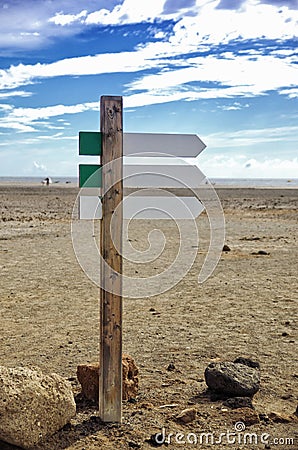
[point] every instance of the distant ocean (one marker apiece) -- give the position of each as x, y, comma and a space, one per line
228, 182
38, 180
255, 182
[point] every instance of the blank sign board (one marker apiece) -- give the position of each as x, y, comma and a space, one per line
162, 176
137, 207
145, 207
145, 175
183, 145
90, 207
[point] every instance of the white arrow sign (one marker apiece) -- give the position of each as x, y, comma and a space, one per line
162, 176
183, 145
145, 207
151, 200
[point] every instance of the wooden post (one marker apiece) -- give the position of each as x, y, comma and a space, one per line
110, 380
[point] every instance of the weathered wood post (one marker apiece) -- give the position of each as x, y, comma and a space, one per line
110, 380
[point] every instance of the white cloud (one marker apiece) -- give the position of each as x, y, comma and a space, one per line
246, 167
201, 19
5, 107
16, 125
244, 138
39, 167
247, 76
274, 164
28, 25
236, 106
130, 11
27, 119
9, 94
153, 98
243, 75
67, 19
205, 24
32, 114
252, 21
291, 93
160, 35
22, 74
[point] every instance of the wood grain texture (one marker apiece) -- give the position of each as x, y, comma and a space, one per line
110, 383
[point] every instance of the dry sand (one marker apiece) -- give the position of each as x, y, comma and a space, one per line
49, 318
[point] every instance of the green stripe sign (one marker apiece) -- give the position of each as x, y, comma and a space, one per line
182, 145
90, 143
90, 176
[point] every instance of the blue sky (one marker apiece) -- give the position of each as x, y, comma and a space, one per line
223, 69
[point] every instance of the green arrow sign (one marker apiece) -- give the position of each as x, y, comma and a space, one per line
89, 143
90, 175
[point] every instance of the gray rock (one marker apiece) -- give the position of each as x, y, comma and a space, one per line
32, 405
232, 379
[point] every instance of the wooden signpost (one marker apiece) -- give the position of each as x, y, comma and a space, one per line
104, 187
110, 383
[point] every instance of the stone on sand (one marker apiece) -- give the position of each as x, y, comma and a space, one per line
33, 405
226, 248
230, 379
187, 415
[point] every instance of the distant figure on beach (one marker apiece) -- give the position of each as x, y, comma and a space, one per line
47, 181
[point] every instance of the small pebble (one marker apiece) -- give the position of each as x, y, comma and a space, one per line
171, 367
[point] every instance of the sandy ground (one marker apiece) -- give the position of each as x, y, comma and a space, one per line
50, 318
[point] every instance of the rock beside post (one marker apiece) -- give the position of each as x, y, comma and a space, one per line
233, 379
33, 405
88, 376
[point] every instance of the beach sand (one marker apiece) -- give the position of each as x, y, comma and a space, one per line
248, 307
